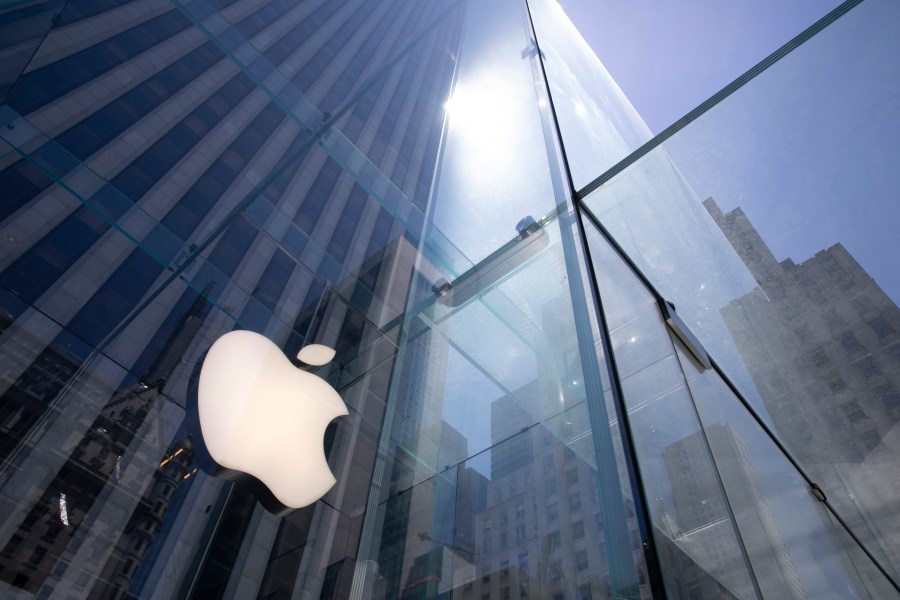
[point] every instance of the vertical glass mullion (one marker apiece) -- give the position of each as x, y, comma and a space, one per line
623, 575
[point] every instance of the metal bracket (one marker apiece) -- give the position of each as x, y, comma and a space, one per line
817, 492
530, 240
681, 331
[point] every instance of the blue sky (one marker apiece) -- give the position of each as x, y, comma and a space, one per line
668, 56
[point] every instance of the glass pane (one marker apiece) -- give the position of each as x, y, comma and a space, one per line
599, 126
697, 541
473, 378
796, 547
668, 58
770, 222
520, 520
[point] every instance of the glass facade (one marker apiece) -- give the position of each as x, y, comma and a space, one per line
580, 361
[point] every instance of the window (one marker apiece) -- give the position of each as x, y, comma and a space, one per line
556, 571
581, 561
853, 411
832, 318
846, 283
520, 533
578, 530
584, 592
835, 383
572, 476
575, 501
548, 464
504, 593
863, 305
868, 367
504, 569
37, 555
829, 264
552, 511
870, 439
850, 344
513, 487
881, 327
520, 510
130, 566
550, 486
888, 396
819, 358
523, 561
555, 540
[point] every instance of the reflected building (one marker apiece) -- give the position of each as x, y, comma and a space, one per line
838, 402
161, 196
541, 531
847, 334
698, 512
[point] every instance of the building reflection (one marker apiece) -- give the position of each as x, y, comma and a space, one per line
821, 340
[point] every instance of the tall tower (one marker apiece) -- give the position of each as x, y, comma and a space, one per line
170, 172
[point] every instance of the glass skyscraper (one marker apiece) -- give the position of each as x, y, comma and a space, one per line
580, 361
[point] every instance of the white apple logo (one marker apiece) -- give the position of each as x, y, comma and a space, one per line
261, 415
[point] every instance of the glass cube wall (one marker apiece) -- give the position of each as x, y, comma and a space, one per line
580, 361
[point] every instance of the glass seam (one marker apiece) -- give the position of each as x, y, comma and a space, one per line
638, 491
714, 463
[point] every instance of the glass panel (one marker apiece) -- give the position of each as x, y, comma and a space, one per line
494, 171
599, 126
488, 359
522, 519
473, 377
693, 525
796, 548
22, 28
86, 484
770, 223
668, 58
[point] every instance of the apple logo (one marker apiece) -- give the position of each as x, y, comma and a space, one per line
261, 420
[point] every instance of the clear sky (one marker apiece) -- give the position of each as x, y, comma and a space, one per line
668, 56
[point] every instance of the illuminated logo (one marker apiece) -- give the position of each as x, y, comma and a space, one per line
262, 419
